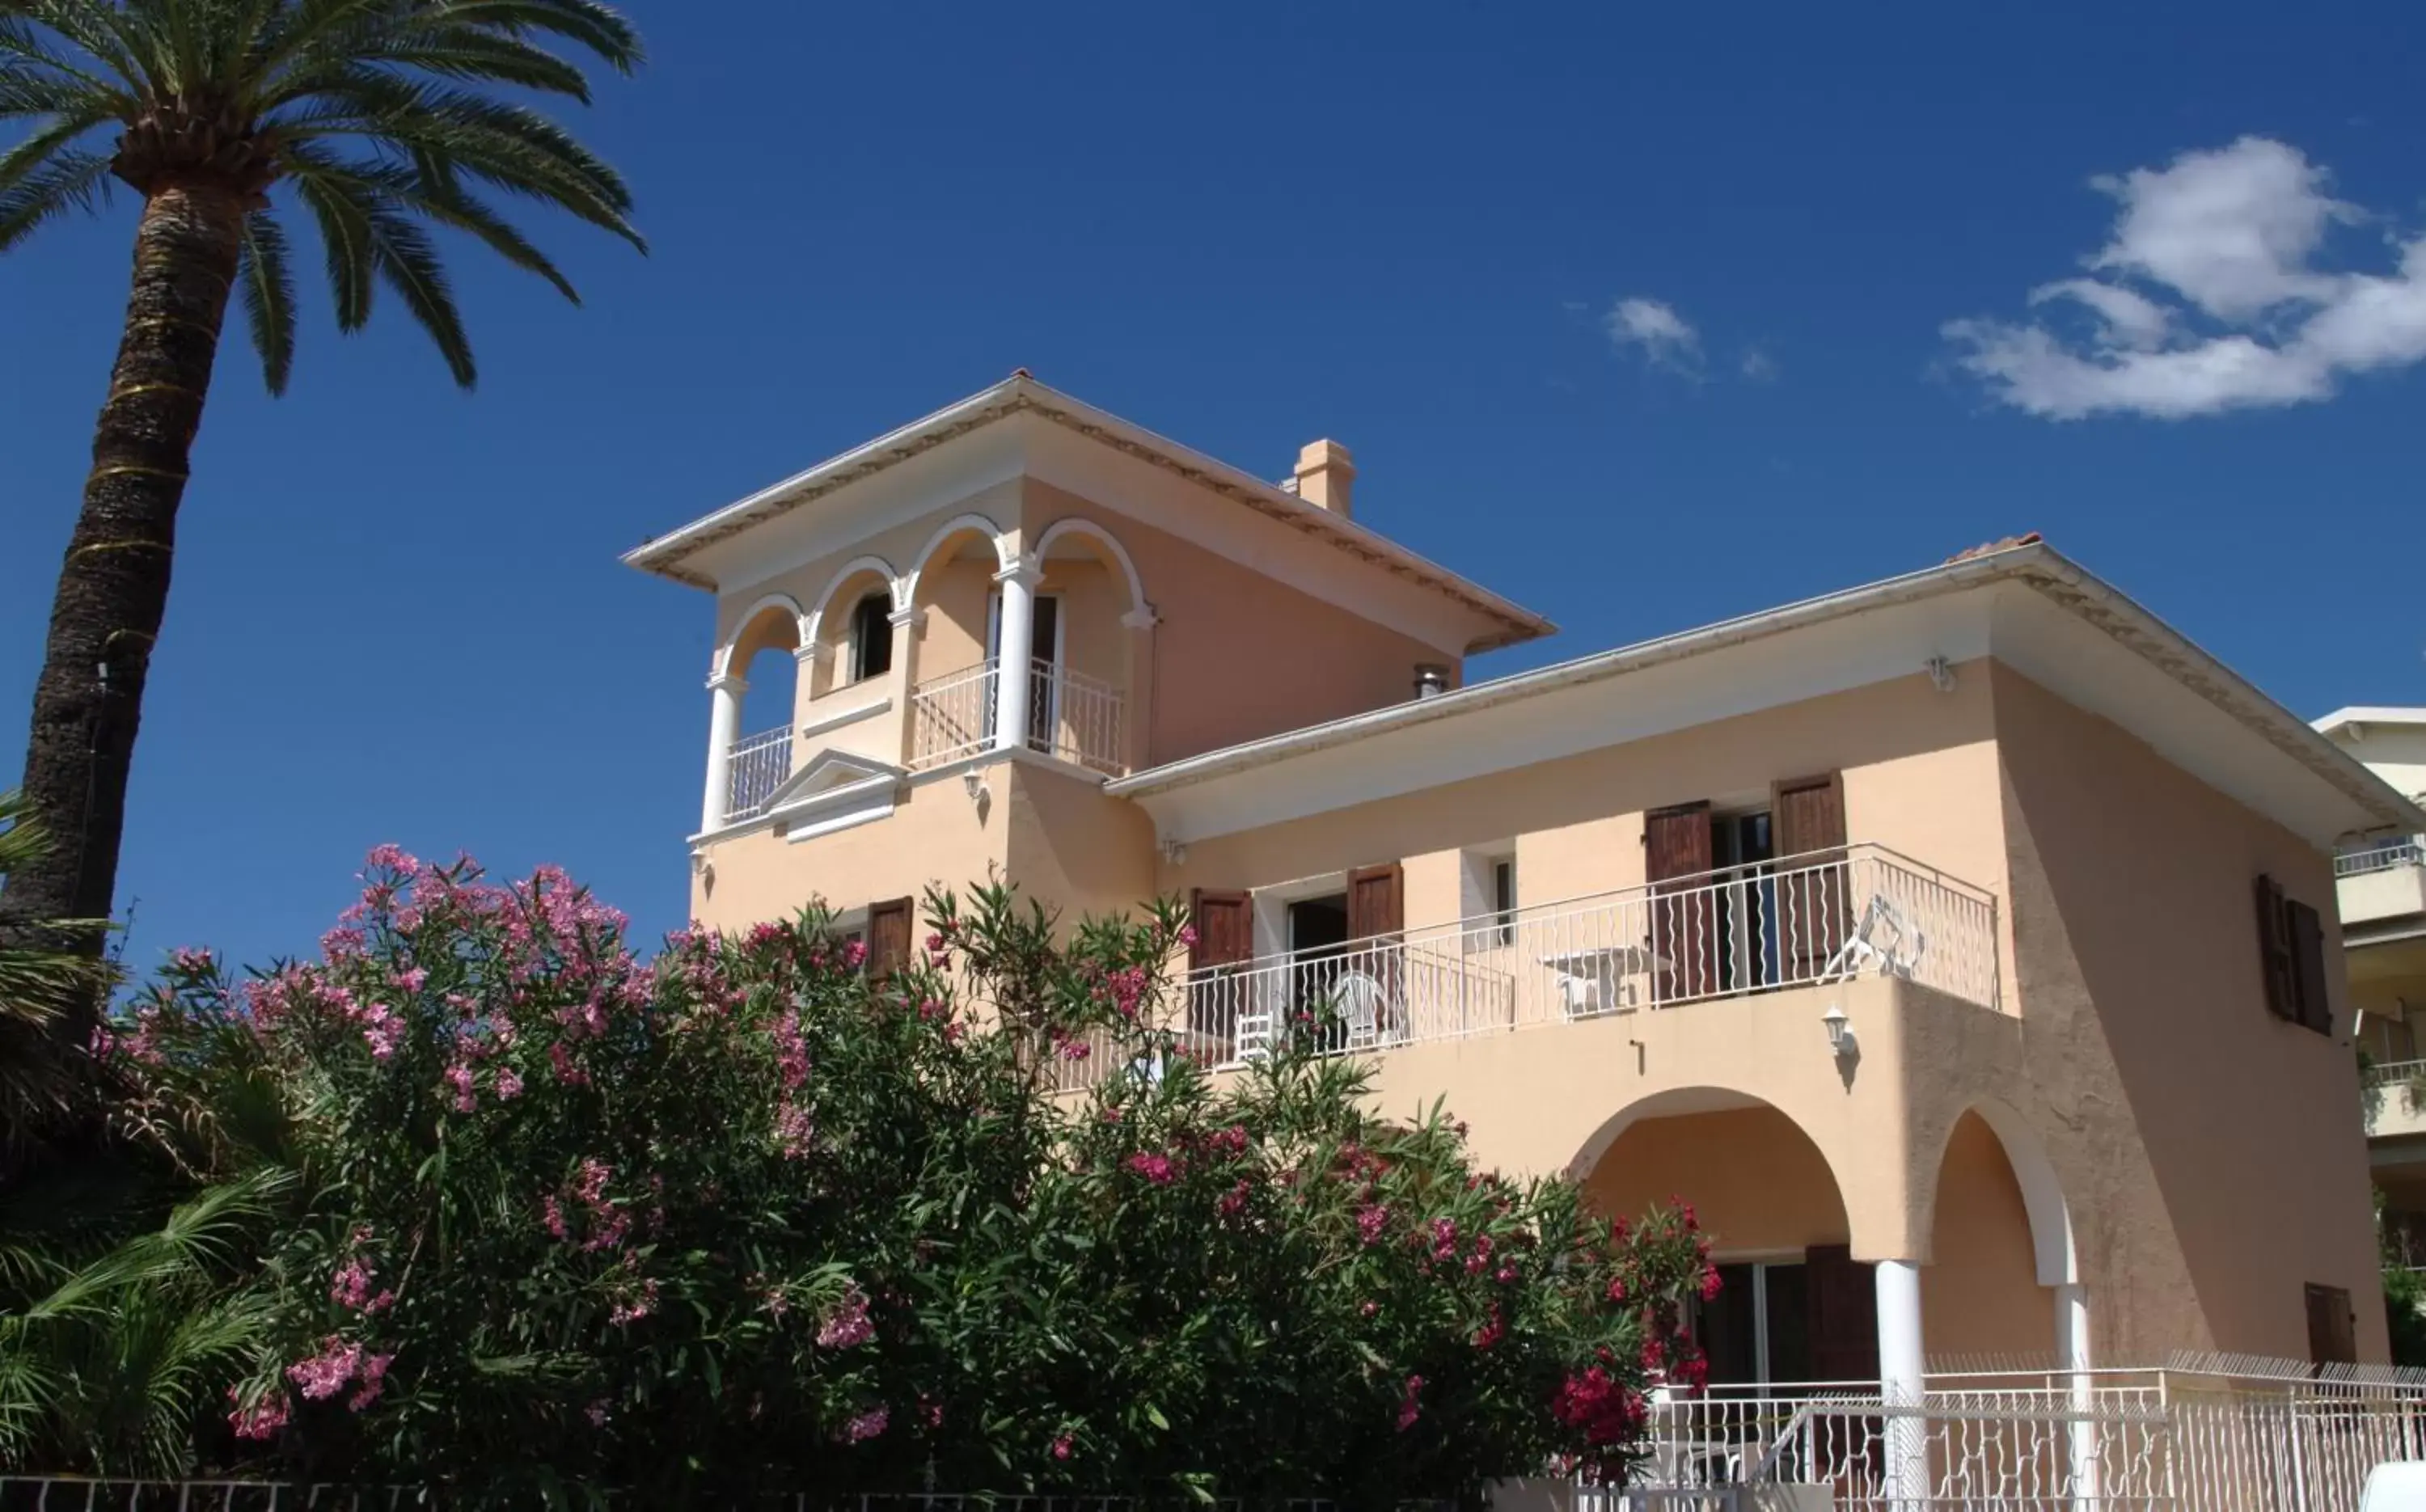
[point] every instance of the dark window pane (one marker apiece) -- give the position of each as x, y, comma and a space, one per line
1789, 1332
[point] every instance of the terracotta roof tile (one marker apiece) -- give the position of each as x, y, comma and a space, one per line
1988, 548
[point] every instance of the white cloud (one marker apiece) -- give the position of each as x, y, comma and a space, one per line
1666, 338
2209, 298
1759, 366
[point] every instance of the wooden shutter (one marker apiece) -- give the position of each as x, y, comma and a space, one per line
2332, 1338
1683, 942
2307, 940
1225, 927
1225, 936
888, 935
1843, 1298
2275, 950
1815, 904
1377, 901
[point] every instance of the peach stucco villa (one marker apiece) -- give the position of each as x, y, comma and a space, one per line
1963, 945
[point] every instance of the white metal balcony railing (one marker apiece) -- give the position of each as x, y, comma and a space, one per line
758, 765
952, 716
2396, 1072
2381, 857
1075, 718
1802, 921
1070, 716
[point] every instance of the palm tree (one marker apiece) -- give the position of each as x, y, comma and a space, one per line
372, 114
43, 1080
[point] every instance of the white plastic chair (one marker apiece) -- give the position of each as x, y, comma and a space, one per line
1358, 999
1895, 956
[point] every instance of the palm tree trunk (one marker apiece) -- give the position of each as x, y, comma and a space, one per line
114, 583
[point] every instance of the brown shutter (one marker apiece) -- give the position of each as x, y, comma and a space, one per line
1377, 901
1815, 904
888, 935
2332, 1338
1684, 929
1843, 1298
1225, 927
1225, 936
2307, 932
2275, 951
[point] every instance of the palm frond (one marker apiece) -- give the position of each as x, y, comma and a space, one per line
430, 190
70, 182
268, 293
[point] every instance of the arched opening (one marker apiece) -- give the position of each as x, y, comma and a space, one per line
1982, 1302
1793, 1305
764, 656
854, 629
1089, 595
954, 699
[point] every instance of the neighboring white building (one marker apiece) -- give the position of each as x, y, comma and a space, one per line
2381, 888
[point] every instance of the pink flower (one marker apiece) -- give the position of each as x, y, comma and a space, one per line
935, 944
1408, 1410
459, 1076
1491, 1332
1234, 1201
391, 858
1709, 1283
1188, 936
855, 956
596, 1413
1371, 1219
260, 1420
1156, 1169
633, 1308
1062, 1447
794, 1130
508, 1084
1369, 1309
1075, 1050
374, 1373
326, 1374
351, 1286
567, 1072
553, 1215
867, 1424
412, 979
847, 1326
192, 960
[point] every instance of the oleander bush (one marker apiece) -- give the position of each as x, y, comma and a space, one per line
480, 1198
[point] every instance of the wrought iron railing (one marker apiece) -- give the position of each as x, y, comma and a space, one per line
2383, 856
1076, 718
1802, 921
952, 716
759, 764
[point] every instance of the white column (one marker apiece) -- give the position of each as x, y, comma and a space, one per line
723, 729
1014, 682
1900, 1383
2072, 1354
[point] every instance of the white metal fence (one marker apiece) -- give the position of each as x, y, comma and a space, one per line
1070, 714
2155, 1439
1076, 718
1804, 920
952, 716
759, 764
2381, 857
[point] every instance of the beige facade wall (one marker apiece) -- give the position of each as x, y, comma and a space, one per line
935, 833
1239, 655
2205, 1191
1980, 1294
1071, 848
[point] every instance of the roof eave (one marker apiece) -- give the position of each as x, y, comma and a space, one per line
2039, 564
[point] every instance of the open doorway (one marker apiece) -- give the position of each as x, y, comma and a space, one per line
1317, 935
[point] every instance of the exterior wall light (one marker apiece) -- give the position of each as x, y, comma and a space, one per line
1841, 1039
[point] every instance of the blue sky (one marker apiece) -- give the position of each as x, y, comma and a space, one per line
1638, 314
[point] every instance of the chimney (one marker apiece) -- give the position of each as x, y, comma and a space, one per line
1324, 474
1432, 680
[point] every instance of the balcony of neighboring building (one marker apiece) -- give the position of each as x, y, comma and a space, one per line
2382, 881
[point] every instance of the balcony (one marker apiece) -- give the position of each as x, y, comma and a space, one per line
1804, 920
2386, 880
756, 766
1072, 716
